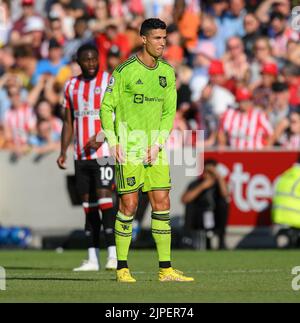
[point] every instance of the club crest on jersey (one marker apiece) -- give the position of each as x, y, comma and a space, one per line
98, 90
163, 81
131, 181
112, 81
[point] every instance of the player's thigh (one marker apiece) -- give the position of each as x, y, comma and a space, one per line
83, 179
160, 200
129, 177
128, 203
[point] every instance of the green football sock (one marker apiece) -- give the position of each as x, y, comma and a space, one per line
123, 233
161, 231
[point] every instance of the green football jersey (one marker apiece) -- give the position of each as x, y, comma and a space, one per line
143, 101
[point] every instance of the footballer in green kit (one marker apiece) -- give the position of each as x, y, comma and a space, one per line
137, 115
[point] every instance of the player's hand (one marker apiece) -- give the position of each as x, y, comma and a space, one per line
61, 161
118, 153
94, 143
151, 155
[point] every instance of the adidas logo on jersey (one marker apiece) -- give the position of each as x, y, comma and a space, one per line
139, 82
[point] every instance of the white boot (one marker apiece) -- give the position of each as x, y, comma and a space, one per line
88, 266
112, 264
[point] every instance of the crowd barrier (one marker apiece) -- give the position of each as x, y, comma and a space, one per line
36, 194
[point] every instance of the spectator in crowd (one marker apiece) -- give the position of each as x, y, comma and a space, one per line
293, 52
56, 31
210, 36
44, 111
46, 140
215, 97
206, 201
245, 128
132, 33
82, 35
232, 24
252, 33
262, 55
279, 107
287, 133
5, 22
7, 60
34, 35
262, 94
106, 40
26, 62
280, 33
8, 81
18, 29
188, 23
101, 19
292, 76
266, 7
73, 8
66, 15
235, 60
19, 123
217, 9
53, 64
174, 52
203, 57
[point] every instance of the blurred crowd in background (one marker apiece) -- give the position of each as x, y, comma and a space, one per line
237, 64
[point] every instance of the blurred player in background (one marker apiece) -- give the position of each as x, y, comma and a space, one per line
94, 173
142, 95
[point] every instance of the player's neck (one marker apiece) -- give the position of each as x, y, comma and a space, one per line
147, 59
88, 77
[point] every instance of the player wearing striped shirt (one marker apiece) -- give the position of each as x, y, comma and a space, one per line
93, 169
245, 128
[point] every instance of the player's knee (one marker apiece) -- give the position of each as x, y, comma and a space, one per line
128, 207
162, 205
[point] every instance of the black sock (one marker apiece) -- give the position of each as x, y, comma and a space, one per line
122, 264
92, 229
108, 221
165, 264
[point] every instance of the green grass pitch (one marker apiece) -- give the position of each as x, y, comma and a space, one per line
232, 276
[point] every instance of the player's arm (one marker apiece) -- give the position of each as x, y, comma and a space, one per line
113, 95
67, 133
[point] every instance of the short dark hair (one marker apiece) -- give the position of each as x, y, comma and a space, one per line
280, 87
87, 47
152, 23
277, 15
210, 162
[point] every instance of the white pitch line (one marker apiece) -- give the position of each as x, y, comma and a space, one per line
238, 271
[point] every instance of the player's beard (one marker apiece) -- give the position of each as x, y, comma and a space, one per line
89, 76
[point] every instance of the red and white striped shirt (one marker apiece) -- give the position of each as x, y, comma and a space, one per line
84, 97
290, 142
246, 130
20, 122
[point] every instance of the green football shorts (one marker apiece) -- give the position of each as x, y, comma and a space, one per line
130, 177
